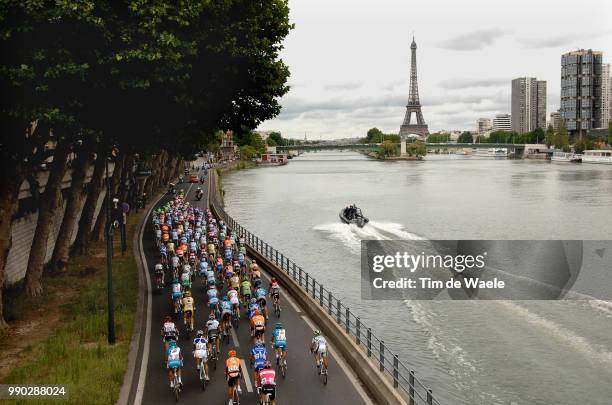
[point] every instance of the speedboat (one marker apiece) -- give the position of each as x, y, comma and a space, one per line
353, 215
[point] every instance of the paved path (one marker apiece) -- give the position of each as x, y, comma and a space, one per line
301, 386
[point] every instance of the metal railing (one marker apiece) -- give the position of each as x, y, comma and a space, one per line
403, 378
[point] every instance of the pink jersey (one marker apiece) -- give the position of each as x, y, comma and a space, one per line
267, 376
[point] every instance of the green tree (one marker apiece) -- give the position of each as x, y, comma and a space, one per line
465, 137
387, 148
610, 133
549, 136
582, 144
417, 148
438, 137
374, 135
562, 138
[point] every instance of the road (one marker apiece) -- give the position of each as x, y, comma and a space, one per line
302, 385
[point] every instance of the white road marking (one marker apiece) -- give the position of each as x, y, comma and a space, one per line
245, 376
235, 338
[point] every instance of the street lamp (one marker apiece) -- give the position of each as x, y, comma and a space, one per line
110, 226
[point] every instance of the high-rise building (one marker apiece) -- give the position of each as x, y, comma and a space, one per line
581, 87
528, 104
502, 122
606, 95
555, 120
483, 125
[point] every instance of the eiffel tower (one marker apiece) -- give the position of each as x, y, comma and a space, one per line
414, 105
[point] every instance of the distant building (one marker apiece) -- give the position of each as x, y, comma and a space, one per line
606, 95
483, 125
581, 85
528, 104
228, 149
555, 120
502, 122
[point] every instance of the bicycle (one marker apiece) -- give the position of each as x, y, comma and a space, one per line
213, 353
176, 389
322, 370
235, 397
187, 321
277, 309
202, 376
282, 364
235, 317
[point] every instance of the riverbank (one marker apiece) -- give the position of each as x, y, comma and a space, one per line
61, 336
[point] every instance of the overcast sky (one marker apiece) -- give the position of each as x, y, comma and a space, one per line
350, 59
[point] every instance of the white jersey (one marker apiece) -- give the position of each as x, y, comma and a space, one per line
169, 328
212, 324
175, 261
320, 344
232, 294
176, 288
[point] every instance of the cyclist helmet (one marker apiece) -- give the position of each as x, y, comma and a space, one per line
211, 316
187, 293
259, 343
172, 343
253, 301
231, 353
257, 312
317, 332
279, 326
199, 333
167, 318
267, 364
254, 261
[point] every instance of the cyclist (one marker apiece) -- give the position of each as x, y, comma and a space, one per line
232, 295
203, 267
159, 274
279, 340
258, 326
212, 328
175, 360
275, 291
266, 379
226, 315
188, 309
253, 306
253, 266
245, 290
318, 347
169, 333
213, 299
233, 372
200, 352
258, 358
260, 295
177, 295
235, 282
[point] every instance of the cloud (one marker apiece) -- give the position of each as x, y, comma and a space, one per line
560, 40
343, 86
463, 83
474, 40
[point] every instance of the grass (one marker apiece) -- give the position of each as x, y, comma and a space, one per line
76, 352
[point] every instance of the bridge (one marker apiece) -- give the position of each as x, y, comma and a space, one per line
516, 147
363, 370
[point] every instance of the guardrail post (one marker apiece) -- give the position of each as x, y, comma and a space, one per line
314, 289
358, 330
429, 397
276, 262
411, 387
339, 303
369, 337
348, 320
395, 371
307, 282
321, 294
382, 355
329, 303
300, 278
287, 265
294, 275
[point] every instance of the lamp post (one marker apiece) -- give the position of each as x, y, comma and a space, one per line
110, 225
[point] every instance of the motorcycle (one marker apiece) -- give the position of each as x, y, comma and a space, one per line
199, 195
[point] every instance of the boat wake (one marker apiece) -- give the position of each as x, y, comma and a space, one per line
350, 235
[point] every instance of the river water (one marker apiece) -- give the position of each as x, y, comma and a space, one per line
468, 352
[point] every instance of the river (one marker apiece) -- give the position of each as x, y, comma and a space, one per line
468, 352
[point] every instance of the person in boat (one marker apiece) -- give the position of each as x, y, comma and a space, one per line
349, 212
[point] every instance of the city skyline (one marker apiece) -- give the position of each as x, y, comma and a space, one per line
350, 66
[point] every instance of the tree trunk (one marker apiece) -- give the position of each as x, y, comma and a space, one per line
51, 201
74, 199
81, 245
9, 194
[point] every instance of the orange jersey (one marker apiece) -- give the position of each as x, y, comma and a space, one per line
258, 321
232, 366
227, 243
